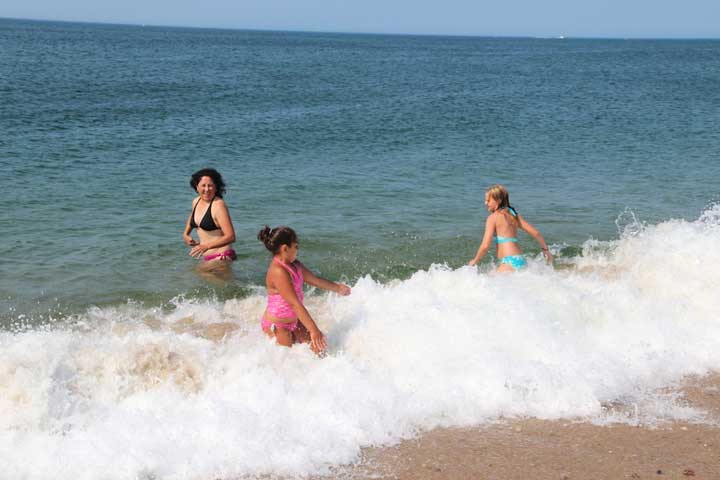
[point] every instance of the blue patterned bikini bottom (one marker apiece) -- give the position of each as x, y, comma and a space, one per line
515, 261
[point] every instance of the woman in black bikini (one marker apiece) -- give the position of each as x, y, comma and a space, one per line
211, 218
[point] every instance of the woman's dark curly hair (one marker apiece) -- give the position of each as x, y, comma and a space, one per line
274, 238
212, 173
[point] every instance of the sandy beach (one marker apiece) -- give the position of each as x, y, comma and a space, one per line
554, 450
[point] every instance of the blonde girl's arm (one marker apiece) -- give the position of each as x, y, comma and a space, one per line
319, 282
282, 282
189, 241
533, 232
486, 241
222, 220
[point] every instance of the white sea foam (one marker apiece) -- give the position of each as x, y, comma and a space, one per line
199, 392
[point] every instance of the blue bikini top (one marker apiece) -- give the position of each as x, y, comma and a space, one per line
499, 239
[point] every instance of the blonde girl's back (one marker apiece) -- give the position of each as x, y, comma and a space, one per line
506, 225
505, 216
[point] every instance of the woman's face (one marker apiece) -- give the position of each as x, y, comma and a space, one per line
206, 188
490, 203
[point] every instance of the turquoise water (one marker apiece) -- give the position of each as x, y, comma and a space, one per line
376, 149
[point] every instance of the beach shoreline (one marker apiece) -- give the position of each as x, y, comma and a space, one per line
558, 449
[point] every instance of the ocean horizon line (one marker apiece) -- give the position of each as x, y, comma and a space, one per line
538, 36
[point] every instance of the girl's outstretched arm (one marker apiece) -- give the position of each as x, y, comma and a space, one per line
283, 283
533, 232
319, 282
486, 241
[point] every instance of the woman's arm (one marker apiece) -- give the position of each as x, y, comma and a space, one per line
320, 282
282, 282
189, 241
486, 241
533, 232
222, 220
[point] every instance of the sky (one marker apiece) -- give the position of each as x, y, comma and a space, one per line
576, 18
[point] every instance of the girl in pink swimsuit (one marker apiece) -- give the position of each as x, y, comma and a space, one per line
285, 317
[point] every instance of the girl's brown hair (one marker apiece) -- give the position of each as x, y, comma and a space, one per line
274, 238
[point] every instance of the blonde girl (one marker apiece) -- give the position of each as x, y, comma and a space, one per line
501, 228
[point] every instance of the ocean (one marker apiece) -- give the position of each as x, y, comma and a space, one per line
377, 149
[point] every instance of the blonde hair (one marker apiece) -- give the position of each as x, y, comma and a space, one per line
501, 195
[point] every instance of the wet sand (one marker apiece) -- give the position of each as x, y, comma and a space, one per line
556, 450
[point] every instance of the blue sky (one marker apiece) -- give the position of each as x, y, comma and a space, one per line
611, 18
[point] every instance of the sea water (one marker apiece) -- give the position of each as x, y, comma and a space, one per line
118, 361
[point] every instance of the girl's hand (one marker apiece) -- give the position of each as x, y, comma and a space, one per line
317, 342
343, 289
189, 241
198, 250
548, 256
472, 262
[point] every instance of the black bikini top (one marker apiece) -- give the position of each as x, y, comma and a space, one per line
207, 223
